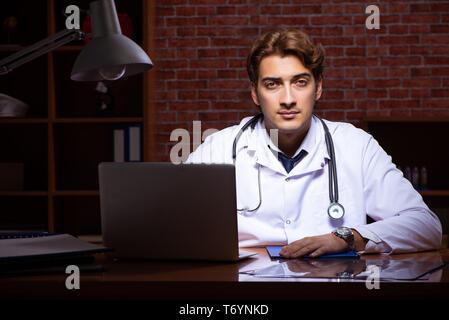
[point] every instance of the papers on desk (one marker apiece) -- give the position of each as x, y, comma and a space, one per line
357, 269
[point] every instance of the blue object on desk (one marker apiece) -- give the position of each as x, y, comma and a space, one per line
273, 251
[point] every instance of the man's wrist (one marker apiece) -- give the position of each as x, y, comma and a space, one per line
359, 241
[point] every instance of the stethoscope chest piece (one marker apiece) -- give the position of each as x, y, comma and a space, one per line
336, 210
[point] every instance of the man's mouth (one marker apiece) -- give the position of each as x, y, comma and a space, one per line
288, 114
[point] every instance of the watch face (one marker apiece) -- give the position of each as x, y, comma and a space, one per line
344, 231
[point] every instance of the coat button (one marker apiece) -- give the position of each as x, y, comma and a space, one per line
322, 164
288, 222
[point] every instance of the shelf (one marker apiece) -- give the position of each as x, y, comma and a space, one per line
434, 193
23, 193
76, 48
99, 120
10, 48
76, 193
24, 120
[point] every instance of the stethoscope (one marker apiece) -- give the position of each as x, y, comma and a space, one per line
335, 209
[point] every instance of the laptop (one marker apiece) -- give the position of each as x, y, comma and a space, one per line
155, 210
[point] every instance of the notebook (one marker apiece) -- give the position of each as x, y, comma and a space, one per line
38, 253
14, 247
165, 211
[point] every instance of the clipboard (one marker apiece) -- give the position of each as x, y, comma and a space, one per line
273, 251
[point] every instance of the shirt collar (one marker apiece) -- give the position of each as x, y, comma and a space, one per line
313, 143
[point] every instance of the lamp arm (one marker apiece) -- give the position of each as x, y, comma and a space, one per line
39, 48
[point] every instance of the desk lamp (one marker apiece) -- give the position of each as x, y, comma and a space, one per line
109, 56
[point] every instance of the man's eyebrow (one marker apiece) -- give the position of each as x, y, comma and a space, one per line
296, 76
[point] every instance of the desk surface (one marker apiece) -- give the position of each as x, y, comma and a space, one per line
181, 280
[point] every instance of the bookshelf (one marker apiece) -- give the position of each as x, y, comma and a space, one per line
418, 141
64, 135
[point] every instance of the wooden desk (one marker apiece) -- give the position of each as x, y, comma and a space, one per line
211, 281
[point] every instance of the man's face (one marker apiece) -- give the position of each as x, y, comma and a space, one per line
286, 92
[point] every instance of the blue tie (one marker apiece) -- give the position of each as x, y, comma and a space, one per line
289, 163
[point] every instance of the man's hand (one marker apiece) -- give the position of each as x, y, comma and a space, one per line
314, 246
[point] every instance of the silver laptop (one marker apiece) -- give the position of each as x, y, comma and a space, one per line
166, 211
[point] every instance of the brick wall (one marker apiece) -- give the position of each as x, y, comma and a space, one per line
401, 69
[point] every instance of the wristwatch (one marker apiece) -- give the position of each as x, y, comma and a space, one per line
346, 234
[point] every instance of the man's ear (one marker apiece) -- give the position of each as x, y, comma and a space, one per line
254, 94
318, 89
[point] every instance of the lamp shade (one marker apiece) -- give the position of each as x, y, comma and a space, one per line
110, 55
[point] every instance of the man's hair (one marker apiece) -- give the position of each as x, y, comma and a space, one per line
283, 43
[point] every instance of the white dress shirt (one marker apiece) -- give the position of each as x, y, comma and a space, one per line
294, 205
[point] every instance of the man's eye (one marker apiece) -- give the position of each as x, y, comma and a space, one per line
301, 83
270, 84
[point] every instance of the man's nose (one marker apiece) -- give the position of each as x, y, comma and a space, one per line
287, 99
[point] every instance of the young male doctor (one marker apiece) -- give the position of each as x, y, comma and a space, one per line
284, 191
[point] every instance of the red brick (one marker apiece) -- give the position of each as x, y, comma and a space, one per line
207, 53
332, 94
187, 53
302, 9
188, 43
400, 113
207, 64
187, 95
377, 83
440, 93
355, 94
270, 9
440, 72
400, 61
436, 60
420, 83
399, 40
197, 21
421, 72
377, 93
421, 18
366, 104
355, 51
399, 93
226, 10
443, 50
355, 72
435, 103
185, 11
228, 21
207, 95
395, 104
226, 84
420, 93
377, 72
325, 20
435, 39
399, 50
194, 84
195, 105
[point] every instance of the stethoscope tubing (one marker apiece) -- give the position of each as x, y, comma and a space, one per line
333, 180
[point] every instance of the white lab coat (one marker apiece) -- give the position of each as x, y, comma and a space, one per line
294, 205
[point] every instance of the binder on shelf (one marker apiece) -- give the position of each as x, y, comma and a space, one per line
119, 145
128, 143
